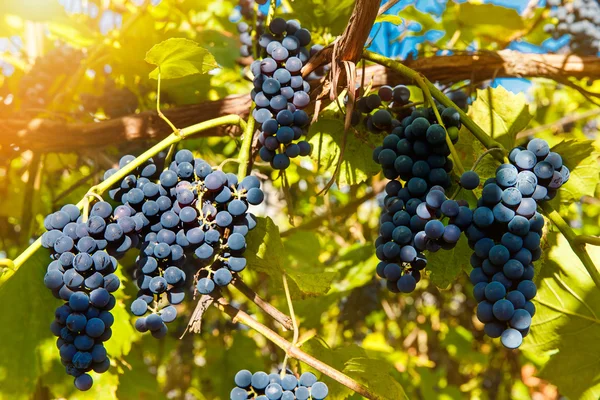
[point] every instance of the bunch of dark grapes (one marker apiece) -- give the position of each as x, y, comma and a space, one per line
263, 386
505, 236
415, 150
36, 88
280, 93
580, 20
251, 26
192, 211
115, 101
82, 274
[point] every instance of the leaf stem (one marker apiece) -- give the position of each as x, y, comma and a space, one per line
288, 297
576, 244
245, 157
294, 352
160, 114
268, 308
587, 239
129, 168
421, 81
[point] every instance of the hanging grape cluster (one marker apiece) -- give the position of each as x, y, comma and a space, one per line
82, 273
251, 26
280, 93
38, 86
414, 150
193, 212
190, 211
505, 237
580, 19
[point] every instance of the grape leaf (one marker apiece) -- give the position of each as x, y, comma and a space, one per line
137, 381
566, 326
264, 250
353, 361
582, 160
445, 266
482, 22
501, 114
265, 253
392, 19
24, 326
327, 139
179, 57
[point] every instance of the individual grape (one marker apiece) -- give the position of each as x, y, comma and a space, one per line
525, 160
511, 338
469, 180
503, 310
539, 147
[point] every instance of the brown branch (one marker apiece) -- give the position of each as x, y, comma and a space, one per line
277, 315
58, 136
348, 46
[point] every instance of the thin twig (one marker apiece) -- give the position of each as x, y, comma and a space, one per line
267, 307
387, 6
288, 297
558, 123
587, 239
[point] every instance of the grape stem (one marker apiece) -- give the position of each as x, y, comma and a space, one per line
409, 73
267, 307
427, 94
128, 169
161, 115
288, 297
586, 239
293, 351
245, 156
577, 244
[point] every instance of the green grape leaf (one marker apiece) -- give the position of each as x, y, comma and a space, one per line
179, 57
501, 114
566, 326
264, 249
356, 266
137, 381
327, 138
265, 253
582, 160
483, 22
24, 327
445, 266
240, 353
353, 361
426, 20
370, 372
392, 19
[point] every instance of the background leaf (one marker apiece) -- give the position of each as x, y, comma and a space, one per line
179, 57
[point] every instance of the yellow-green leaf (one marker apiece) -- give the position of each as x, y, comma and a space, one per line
566, 326
179, 57
502, 114
327, 139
